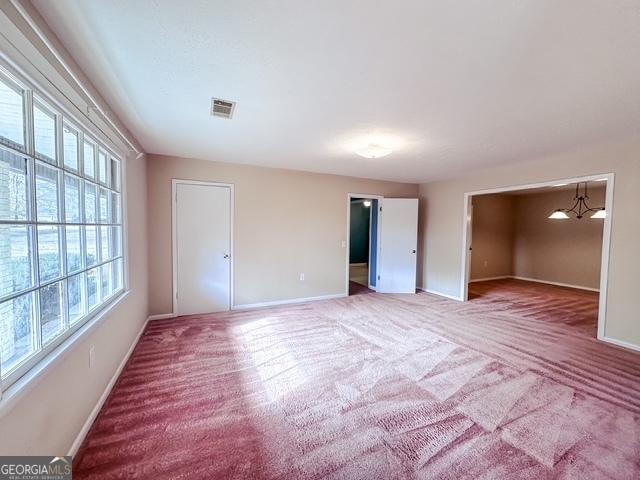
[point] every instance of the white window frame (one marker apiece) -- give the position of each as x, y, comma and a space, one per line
43, 356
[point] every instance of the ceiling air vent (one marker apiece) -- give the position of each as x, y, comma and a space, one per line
222, 108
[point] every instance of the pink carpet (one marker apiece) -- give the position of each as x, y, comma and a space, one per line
512, 384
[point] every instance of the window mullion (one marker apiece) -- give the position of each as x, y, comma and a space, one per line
28, 121
80, 153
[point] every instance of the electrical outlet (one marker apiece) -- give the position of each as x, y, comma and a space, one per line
92, 355
344, 244
302, 277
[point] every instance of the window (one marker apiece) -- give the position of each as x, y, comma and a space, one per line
89, 159
11, 113
70, 150
61, 256
44, 132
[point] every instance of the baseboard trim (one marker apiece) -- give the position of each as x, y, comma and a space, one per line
247, 306
103, 398
486, 279
557, 284
620, 343
440, 294
161, 316
536, 280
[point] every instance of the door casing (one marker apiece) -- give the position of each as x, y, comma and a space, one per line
174, 246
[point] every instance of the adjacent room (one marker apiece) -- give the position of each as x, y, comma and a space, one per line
543, 245
363, 244
319, 240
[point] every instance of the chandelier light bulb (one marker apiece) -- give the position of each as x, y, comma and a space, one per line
559, 215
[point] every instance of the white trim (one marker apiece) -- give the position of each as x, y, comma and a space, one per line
620, 343
536, 280
348, 238
161, 316
98, 406
440, 294
45, 40
31, 377
174, 255
606, 237
49, 101
288, 302
486, 279
79, 120
557, 284
606, 250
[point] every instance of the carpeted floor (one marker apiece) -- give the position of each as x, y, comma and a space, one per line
512, 384
358, 289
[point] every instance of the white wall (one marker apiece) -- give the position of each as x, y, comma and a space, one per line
442, 222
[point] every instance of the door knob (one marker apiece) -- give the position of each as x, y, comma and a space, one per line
226, 255
413, 251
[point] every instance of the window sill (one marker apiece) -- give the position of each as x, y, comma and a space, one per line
21, 387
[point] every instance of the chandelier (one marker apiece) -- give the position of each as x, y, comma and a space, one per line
580, 207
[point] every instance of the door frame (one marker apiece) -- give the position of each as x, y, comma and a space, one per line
606, 236
174, 236
348, 241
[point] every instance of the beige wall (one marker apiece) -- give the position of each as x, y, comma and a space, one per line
46, 416
286, 222
442, 222
564, 251
512, 236
492, 236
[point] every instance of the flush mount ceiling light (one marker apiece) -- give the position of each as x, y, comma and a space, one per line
367, 203
580, 207
373, 150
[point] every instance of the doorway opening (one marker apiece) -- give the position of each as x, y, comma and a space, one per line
362, 245
542, 251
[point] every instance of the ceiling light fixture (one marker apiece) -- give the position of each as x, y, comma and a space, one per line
580, 207
373, 150
559, 215
367, 203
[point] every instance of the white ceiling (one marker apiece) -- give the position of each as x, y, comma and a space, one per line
450, 85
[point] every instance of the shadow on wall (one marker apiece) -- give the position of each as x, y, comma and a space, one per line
359, 231
513, 236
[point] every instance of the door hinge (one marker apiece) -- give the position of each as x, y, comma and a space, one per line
378, 277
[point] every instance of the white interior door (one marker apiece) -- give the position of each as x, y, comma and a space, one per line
203, 248
398, 245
